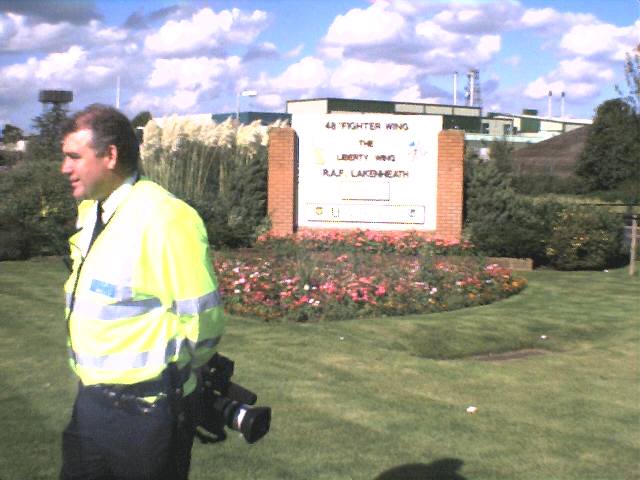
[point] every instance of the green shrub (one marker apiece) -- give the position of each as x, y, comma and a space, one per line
627, 192
234, 212
37, 211
540, 184
9, 157
502, 223
586, 238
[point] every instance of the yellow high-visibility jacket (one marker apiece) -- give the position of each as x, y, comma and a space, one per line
145, 294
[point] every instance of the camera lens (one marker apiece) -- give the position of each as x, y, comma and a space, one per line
252, 422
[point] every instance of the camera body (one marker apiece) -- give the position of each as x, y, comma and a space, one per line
227, 404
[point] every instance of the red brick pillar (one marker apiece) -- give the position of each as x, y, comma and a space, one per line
450, 182
281, 180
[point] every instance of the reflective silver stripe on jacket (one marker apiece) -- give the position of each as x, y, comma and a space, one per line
132, 308
115, 311
111, 290
195, 306
123, 361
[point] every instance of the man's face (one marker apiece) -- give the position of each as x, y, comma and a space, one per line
90, 175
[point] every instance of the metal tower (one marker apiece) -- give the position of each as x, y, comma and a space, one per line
472, 92
54, 97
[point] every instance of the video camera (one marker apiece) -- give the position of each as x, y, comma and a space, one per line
227, 404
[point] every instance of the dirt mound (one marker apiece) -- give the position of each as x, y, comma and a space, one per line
556, 156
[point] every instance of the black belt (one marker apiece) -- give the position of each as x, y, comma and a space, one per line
148, 388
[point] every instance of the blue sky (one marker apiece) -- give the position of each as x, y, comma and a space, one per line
194, 57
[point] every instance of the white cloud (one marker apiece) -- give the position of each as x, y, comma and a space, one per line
143, 101
205, 30
107, 34
580, 69
197, 73
540, 88
17, 35
536, 17
308, 73
262, 51
359, 74
445, 51
374, 25
435, 34
513, 60
552, 21
70, 67
184, 100
8, 28
180, 101
486, 47
294, 52
331, 53
475, 19
271, 101
413, 94
603, 40
61, 66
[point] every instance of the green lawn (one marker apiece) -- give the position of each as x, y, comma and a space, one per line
381, 398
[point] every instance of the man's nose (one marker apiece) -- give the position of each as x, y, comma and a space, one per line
65, 166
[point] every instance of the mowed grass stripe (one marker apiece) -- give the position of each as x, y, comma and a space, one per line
359, 398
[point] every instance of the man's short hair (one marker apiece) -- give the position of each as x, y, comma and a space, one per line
109, 126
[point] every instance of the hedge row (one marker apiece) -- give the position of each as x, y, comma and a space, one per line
37, 213
501, 222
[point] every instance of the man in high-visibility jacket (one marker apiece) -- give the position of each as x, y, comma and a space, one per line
143, 309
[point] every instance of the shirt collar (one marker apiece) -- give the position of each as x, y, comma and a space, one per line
117, 196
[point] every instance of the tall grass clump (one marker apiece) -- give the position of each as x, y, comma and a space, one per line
219, 168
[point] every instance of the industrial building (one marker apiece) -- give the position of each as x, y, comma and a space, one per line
528, 127
454, 116
266, 118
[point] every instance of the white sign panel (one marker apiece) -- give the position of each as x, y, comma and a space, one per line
369, 171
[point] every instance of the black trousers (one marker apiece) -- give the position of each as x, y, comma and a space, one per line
111, 439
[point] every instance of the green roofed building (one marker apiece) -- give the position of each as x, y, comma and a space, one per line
460, 117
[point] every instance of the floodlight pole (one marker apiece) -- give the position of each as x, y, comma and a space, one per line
244, 93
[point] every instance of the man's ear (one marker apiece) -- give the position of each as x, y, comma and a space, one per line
112, 157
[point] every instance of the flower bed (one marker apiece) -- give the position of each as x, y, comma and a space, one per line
364, 241
301, 285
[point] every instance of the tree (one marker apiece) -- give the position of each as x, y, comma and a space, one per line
611, 157
46, 144
11, 134
632, 77
141, 119
501, 154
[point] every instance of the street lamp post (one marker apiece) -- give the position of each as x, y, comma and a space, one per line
244, 93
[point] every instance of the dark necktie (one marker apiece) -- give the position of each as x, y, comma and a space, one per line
98, 226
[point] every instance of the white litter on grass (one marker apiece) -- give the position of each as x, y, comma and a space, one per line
606, 271
341, 338
472, 409
543, 337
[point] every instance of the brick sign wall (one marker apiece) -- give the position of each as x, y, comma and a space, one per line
371, 171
